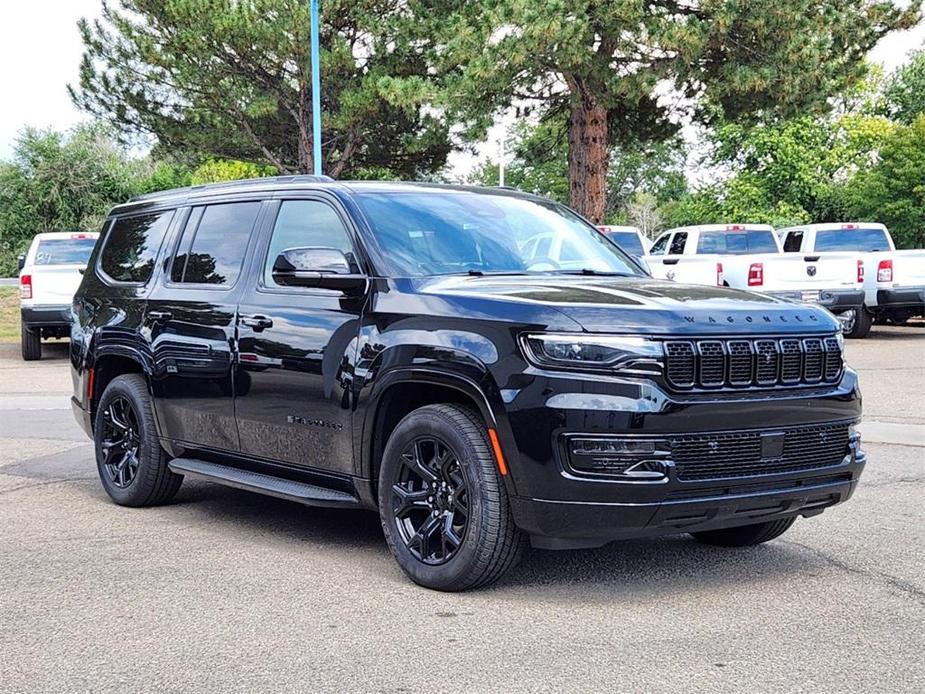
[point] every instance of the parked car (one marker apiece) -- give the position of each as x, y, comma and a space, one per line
894, 281
49, 273
391, 346
749, 256
630, 239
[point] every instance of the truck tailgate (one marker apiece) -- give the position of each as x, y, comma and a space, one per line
799, 271
54, 285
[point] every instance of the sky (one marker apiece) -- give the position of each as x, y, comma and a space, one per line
40, 51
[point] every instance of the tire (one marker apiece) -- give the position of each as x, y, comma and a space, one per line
125, 416
489, 544
31, 343
745, 535
862, 322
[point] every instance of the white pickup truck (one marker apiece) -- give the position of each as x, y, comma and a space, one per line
49, 274
894, 281
749, 256
630, 239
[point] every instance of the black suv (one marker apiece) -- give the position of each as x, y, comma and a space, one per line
482, 366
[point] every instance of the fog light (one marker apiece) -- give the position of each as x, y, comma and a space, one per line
624, 457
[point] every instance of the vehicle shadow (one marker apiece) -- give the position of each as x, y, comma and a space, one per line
631, 568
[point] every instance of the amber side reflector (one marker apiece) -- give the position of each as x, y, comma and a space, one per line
496, 448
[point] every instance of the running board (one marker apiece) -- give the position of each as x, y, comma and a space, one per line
303, 493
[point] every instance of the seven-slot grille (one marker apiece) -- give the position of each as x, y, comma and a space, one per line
739, 454
789, 361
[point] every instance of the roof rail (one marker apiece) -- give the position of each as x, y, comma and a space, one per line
226, 185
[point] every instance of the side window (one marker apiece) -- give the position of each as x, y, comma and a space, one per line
306, 224
658, 248
132, 245
677, 243
212, 248
793, 242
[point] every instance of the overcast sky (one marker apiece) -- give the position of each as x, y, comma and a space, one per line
40, 52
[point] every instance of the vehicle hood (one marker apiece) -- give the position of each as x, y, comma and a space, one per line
636, 304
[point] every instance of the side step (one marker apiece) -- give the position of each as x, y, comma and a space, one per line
309, 494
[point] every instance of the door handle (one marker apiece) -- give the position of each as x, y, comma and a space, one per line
256, 322
159, 316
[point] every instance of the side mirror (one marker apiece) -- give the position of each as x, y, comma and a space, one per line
21, 262
325, 268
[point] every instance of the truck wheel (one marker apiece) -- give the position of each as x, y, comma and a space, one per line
443, 505
131, 463
862, 322
745, 535
31, 343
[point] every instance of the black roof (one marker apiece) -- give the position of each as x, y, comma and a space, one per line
272, 183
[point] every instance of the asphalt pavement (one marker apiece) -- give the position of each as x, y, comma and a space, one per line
227, 591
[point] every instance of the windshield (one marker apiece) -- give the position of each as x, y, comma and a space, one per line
864, 240
626, 240
441, 233
64, 251
738, 242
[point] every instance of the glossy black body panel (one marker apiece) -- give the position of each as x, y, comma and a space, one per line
302, 395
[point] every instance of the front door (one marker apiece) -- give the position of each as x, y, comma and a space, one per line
297, 348
191, 315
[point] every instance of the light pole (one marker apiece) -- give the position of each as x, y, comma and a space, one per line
316, 88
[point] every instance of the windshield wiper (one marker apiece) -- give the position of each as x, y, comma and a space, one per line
481, 273
594, 273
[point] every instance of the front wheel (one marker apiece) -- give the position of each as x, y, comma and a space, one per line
443, 505
745, 535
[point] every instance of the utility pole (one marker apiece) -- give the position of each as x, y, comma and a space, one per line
316, 88
501, 156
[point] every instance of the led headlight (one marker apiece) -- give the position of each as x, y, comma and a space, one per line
627, 354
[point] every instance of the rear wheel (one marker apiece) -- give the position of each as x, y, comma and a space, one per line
745, 535
31, 343
442, 503
131, 463
862, 322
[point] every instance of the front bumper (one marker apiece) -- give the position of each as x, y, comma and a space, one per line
560, 507
46, 316
901, 297
555, 524
835, 300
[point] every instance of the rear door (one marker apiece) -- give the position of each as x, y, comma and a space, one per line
191, 317
297, 347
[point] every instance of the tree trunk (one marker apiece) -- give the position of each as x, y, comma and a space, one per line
587, 159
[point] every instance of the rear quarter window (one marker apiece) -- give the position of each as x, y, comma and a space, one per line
131, 247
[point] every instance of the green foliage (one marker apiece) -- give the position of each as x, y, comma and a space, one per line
230, 80
62, 182
214, 171
904, 94
605, 62
893, 191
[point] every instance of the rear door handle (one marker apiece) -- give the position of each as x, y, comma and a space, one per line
159, 316
256, 322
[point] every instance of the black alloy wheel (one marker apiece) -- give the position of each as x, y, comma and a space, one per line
430, 500
120, 442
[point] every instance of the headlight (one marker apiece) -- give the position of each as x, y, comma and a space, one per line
582, 351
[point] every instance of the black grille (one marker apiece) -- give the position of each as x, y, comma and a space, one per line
763, 362
739, 454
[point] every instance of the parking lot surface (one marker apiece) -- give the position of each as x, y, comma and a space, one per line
227, 591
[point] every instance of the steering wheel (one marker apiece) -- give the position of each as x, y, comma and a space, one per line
538, 265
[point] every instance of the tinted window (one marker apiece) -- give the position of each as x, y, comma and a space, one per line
132, 245
435, 233
306, 224
627, 240
793, 242
737, 242
74, 251
658, 248
864, 240
213, 244
677, 243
